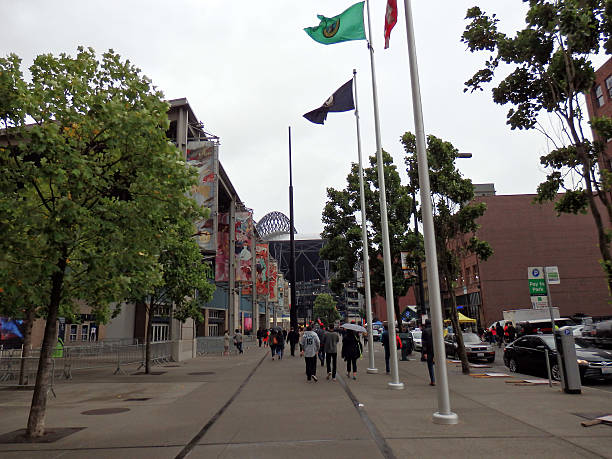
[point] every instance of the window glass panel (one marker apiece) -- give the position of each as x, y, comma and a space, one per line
599, 98
84, 332
609, 86
73, 332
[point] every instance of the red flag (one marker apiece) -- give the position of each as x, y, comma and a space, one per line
390, 19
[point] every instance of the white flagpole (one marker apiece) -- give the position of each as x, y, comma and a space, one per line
444, 415
364, 237
395, 382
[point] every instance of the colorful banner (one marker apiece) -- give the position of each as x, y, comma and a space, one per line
272, 278
11, 333
204, 156
223, 248
261, 264
244, 235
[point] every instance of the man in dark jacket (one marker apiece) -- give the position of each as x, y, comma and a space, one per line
292, 338
428, 351
499, 334
384, 339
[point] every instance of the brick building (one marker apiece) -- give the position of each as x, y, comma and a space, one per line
524, 234
599, 102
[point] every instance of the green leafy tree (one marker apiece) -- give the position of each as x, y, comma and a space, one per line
343, 234
325, 309
184, 286
550, 63
87, 180
454, 218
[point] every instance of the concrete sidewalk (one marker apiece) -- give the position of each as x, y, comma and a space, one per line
251, 406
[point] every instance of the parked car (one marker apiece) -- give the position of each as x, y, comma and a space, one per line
475, 348
416, 338
526, 355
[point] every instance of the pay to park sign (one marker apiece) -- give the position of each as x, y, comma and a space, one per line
537, 283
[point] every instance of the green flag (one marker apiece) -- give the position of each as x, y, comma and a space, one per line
348, 25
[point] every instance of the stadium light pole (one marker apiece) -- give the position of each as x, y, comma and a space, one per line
444, 415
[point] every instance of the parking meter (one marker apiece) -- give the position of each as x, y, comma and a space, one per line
567, 361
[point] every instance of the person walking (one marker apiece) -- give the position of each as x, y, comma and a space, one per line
266, 337
280, 345
428, 351
351, 350
499, 332
259, 336
384, 339
331, 352
238, 341
310, 345
320, 331
292, 338
273, 342
226, 339
511, 332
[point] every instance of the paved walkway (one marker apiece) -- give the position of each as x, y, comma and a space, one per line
250, 406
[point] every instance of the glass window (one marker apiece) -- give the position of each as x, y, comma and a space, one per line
599, 98
73, 332
609, 86
84, 332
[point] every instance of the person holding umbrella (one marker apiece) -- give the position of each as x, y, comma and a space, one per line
351, 347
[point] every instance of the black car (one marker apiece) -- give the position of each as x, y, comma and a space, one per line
526, 355
475, 348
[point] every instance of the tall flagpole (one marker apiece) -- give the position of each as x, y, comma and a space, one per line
444, 415
293, 311
364, 237
395, 382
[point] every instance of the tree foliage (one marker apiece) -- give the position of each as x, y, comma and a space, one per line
88, 185
550, 62
343, 234
325, 309
454, 217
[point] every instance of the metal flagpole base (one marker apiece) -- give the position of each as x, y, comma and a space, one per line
447, 419
396, 386
372, 371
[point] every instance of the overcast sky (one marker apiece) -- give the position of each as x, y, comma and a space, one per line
249, 71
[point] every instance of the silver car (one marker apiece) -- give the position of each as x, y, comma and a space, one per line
416, 338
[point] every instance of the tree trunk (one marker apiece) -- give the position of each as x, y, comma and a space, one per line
148, 341
36, 420
27, 343
465, 365
398, 316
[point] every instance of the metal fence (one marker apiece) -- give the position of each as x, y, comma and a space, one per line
91, 356
214, 344
102, 354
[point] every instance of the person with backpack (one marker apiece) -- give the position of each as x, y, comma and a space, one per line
279, 344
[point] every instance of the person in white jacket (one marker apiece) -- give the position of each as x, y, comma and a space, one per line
310, 346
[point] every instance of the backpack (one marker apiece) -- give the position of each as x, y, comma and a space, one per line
275, 340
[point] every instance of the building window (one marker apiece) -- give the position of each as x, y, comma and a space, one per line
468, 275
73, 332
609, 86
599, 98
213, 329
160, 333
84, 332
476, 273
